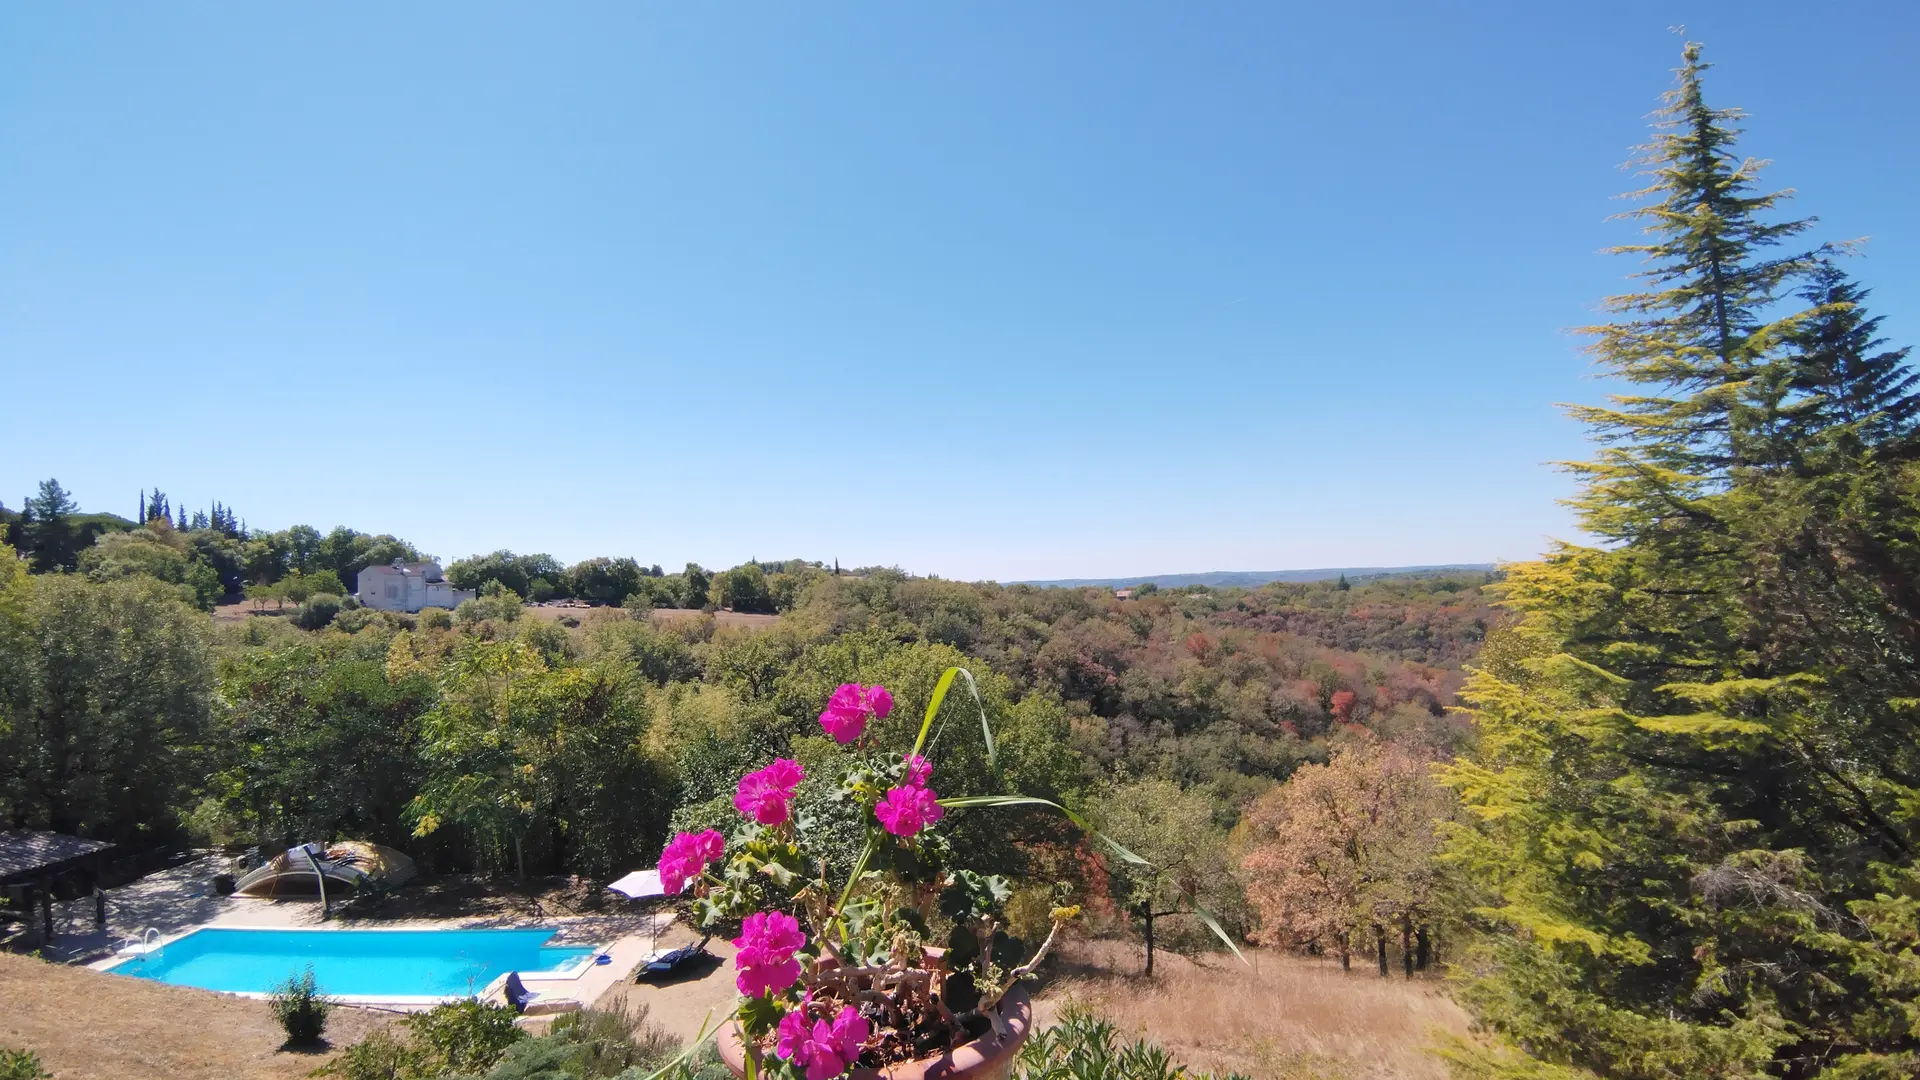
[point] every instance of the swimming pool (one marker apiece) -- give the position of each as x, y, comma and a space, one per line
385, 965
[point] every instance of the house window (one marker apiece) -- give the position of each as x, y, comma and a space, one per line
393, 591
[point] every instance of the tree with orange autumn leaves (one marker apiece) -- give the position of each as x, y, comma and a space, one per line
1343, 855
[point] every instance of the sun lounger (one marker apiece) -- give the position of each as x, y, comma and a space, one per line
514, 994
672, 960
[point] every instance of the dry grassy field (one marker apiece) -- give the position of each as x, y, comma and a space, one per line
88, 1026
1286, 1018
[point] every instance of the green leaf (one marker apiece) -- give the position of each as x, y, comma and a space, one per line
964, 801
1007, 951
1219, 931
759, 1015
962, 947
959, 993
859, 868
940, 696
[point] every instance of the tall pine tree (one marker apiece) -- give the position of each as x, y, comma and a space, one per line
1851, 384
1699, 777
1696, 337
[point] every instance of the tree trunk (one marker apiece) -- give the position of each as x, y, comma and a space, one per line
519, 859
1346, 951
1380, 947
1406, 947
1147, 911
1423, 949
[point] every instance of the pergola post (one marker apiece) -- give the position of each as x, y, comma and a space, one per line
46, 906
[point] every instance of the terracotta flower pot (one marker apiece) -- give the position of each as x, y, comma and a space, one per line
989, 1057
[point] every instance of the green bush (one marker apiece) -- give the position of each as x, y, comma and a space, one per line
317, 612
596, 1044
21, 1065
473, 1040
499, 607
380, 1056
300, 1008
352, 620
434, 618
463, 1036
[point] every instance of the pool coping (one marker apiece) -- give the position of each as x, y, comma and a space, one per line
577, 971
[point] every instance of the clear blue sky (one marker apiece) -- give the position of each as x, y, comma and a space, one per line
1001, 290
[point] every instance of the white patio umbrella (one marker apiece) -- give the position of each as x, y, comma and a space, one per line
640, 883
643, 883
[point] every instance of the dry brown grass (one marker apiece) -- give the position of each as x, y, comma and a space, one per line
722, 619
1286, 1017
89, 1026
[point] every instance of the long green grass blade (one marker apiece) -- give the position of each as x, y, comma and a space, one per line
933, 706
859, 868
986, 729
1219, 931
964, 801
939, 698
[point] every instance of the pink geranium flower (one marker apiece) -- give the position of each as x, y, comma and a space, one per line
824, 1050
851, 706
686, 855
919, 771
765, 958
906, 810
764, 795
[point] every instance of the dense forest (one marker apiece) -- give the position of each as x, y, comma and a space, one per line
497, 738
1654, 798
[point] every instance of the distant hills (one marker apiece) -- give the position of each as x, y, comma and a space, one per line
1250, 578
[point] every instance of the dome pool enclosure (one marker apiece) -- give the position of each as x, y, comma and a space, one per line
348, 868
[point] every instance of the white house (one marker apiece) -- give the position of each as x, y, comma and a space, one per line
406, 586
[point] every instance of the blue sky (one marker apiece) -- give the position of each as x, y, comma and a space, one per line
983, 290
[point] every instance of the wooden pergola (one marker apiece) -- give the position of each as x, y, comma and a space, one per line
30, 861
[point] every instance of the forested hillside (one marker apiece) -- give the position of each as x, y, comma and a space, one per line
490, 739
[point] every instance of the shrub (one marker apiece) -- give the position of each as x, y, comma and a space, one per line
470, 1039
300, 1008
463, 1036
317, 612
352, 620
21, 1065
380, 1056
212, 823
1085, 1047
499, 607
595, 1045
434, 618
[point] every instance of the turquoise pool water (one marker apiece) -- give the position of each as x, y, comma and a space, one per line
358, 963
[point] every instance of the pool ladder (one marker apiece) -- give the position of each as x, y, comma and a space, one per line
144, 944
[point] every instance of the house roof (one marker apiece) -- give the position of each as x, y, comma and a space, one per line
24, 853
430, 570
